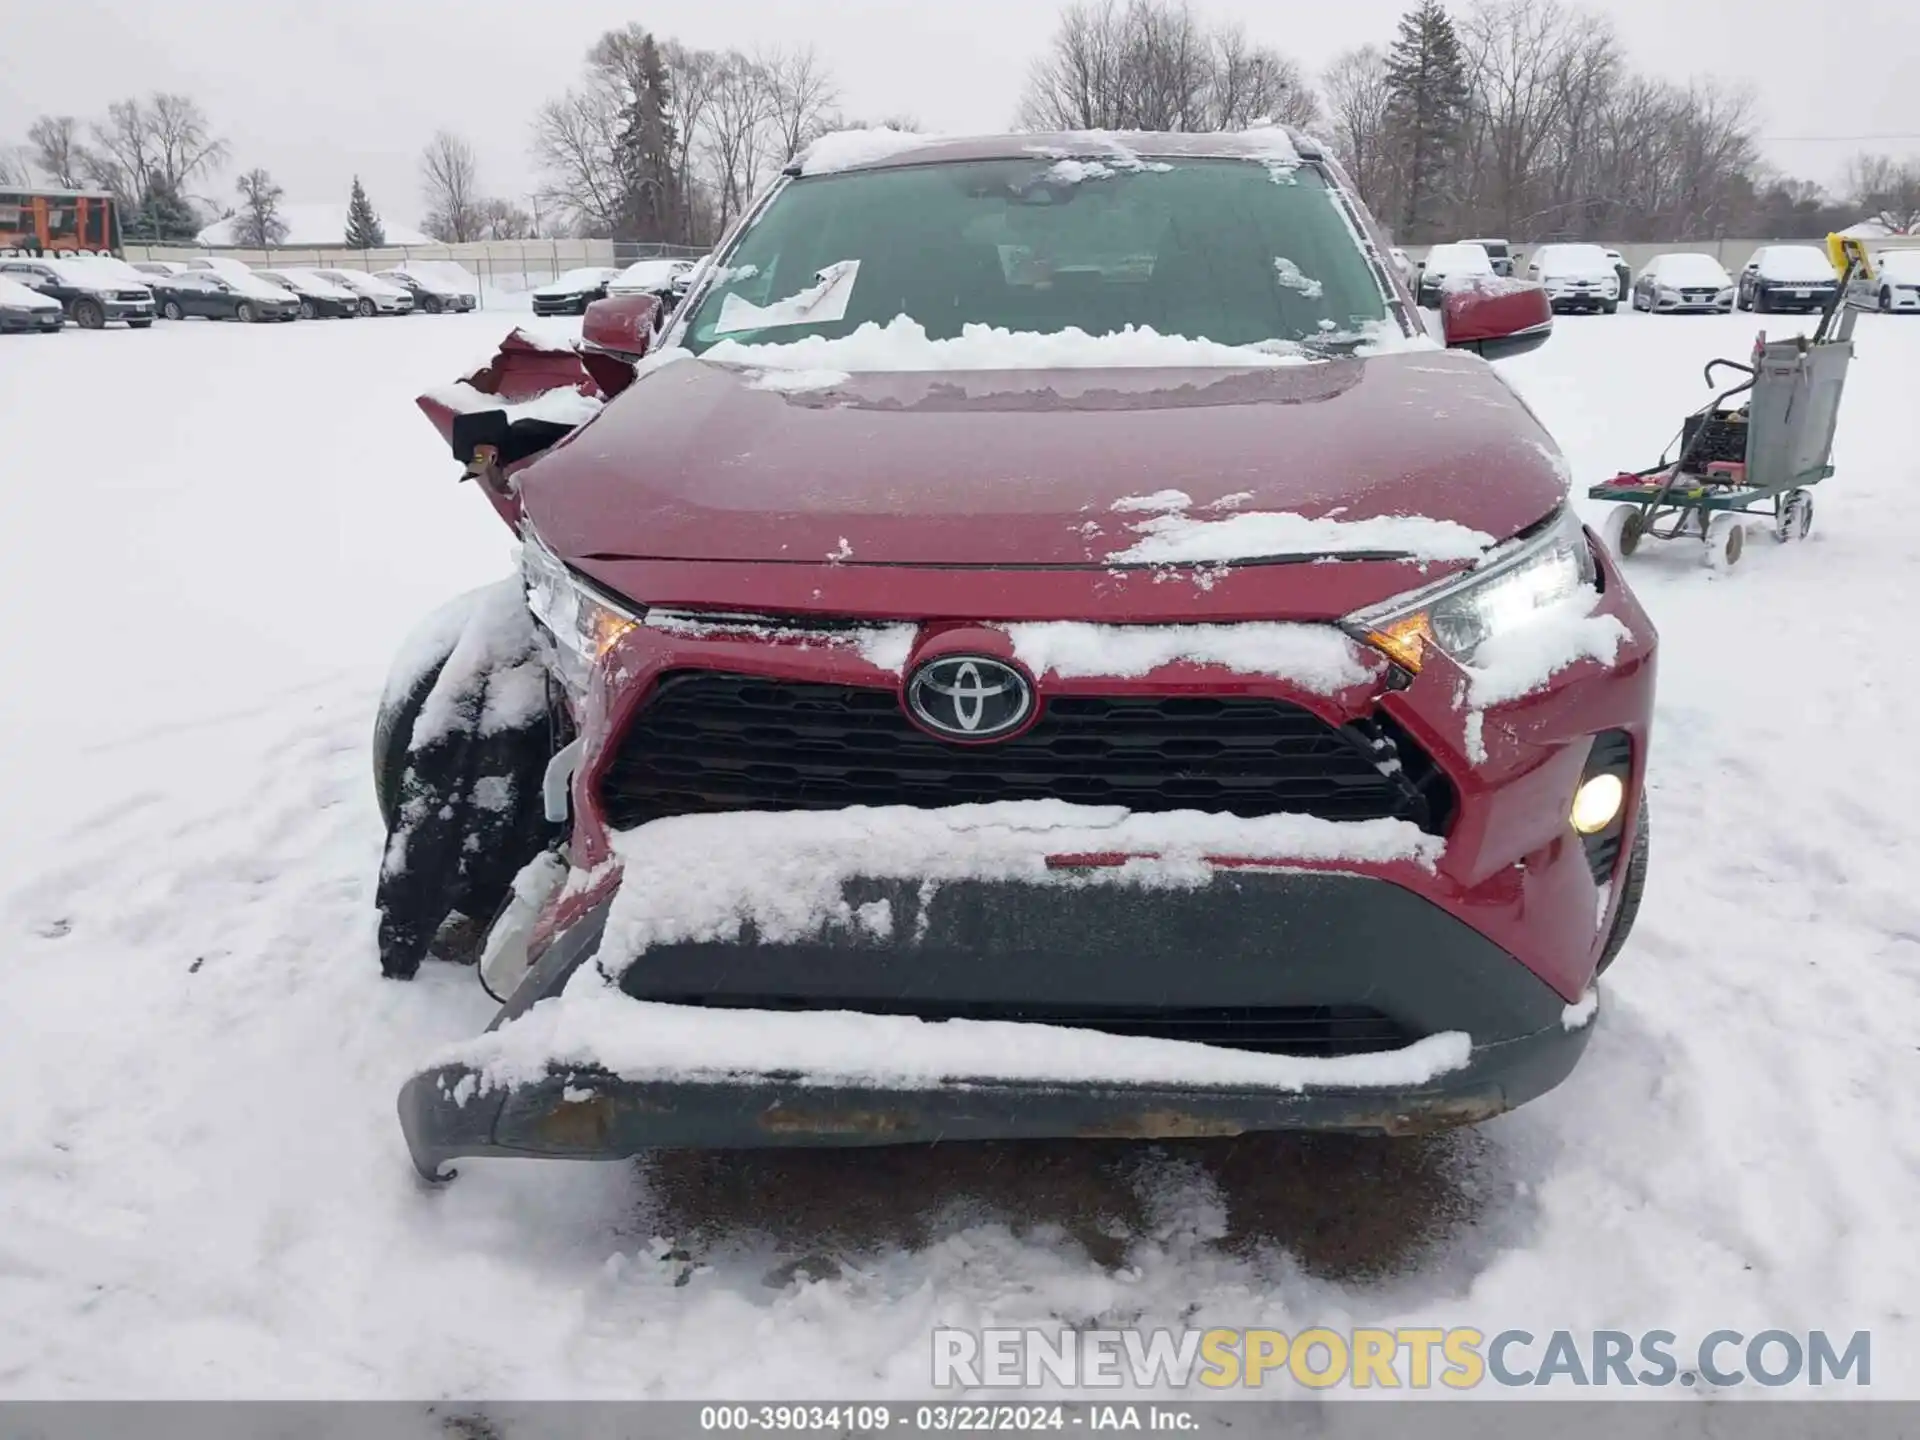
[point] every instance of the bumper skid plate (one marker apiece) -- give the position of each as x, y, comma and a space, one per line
1008, 950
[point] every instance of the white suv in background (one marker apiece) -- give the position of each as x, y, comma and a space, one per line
1576, 277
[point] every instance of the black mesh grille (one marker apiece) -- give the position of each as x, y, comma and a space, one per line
1308, 1030
715, 742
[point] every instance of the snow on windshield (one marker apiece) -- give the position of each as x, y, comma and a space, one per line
1173, 536
1796, 262
1292, 278
15, 296
903, 344
1690, 269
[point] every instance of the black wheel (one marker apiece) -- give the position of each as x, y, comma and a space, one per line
1761, 304
1612, 307
88, 315
365, 307
1886, 300
172, 311
306, 310
1633, 883
431, 304
243, 312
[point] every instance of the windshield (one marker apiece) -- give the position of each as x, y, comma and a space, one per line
1796, 262
1690, 270
1218, 250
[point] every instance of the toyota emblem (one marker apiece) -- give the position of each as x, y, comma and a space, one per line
969, 697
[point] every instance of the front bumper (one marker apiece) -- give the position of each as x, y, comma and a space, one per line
25, 322
1247, 942
560, 305
128, 309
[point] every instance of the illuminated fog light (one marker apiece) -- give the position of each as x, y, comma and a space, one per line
1597, 803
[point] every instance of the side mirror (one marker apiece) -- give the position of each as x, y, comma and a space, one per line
1496, 320
616, 334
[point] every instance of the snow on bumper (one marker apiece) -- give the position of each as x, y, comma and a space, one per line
997, 971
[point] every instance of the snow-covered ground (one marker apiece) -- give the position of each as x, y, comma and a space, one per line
217, 535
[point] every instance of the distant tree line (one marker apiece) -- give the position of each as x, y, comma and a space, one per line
1520, 118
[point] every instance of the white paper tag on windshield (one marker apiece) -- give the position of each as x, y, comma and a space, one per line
821, 303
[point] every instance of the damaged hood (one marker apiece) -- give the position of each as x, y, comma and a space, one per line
1087, 468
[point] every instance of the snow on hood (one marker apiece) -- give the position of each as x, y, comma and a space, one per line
15, 296
1902, 267
903, 344
94, 272
1689, 268
258, 288
1574, 262
1458, 259
315, 284
696, 878
1797, 262
1171, 535
651, 274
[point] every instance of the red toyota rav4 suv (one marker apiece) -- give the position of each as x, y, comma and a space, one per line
1043, 643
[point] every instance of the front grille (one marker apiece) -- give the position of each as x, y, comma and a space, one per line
1319, 1031
709, 742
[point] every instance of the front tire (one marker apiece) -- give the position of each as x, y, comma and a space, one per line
306, 310
431, 305
88, 315
1886, 301
172, 311
243, 312
365, 307
464, 807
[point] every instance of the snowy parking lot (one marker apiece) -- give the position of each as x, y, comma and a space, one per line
219, 534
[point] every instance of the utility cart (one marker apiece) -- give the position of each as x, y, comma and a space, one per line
1757, 448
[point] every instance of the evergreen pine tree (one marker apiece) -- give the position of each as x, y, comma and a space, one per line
162, 217
650, 199
364, 231
1426, 108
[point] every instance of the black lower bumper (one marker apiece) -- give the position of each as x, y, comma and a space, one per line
1098, 957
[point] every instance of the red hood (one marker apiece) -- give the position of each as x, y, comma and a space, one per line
1022, 469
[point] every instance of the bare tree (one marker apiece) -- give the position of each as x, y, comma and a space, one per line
14, 169
1888, 190
801, 93
57, 151
448, 184
501, 219
161, 143
258, 223
1153, 65
575, 143
736, 138
1357, 101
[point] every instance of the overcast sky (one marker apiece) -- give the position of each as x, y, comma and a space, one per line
318, 90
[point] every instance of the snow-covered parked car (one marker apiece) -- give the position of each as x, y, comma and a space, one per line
319, 297
1894, 285
219, 295
572, 292
877, 746
1787, 277
374, 295
663, 278
432, 294
23, 308
1460, 262
1683, 280
1576, 277
94, 291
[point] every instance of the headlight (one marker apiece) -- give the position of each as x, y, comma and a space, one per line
1726, 294
1504, 592
1666, 294
583, 621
